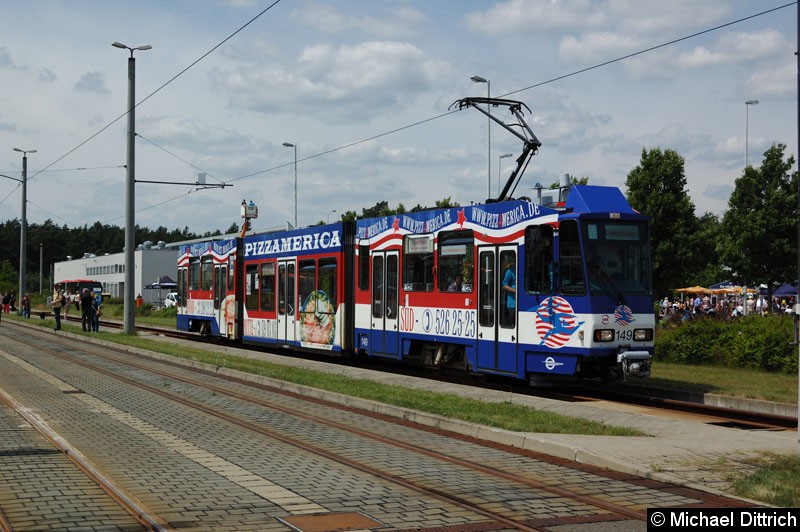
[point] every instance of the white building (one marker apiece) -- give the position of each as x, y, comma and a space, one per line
151, 264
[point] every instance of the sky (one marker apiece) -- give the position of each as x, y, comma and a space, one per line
363, 89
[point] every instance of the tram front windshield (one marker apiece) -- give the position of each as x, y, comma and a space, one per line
617, 257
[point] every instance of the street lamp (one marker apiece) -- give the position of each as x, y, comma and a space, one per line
747, 105
290, 145
478, 79
498, 170
130, 194
329, 216
23, 227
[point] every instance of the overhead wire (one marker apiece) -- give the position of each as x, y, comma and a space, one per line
153, 93
650, 49
398, 129
536, 85
179, 158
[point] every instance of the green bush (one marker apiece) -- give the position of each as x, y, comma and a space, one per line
752, 342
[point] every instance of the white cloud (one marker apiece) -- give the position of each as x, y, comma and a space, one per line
778, 82
536, 15
46, 75
92, 82
597, 47
336, 83
734, 48
6, 60
328, 74
399, 22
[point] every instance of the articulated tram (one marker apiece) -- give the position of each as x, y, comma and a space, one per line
509, 287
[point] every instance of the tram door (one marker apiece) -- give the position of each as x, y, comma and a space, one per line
220, 284
287, 297
383, 331
497, 308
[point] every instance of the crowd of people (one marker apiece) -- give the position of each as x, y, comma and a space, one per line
86, 302
9, 302
724, 306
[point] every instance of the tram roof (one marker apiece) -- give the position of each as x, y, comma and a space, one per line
589, 198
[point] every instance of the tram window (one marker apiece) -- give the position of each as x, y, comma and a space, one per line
307, 281
391, 286
569, 258
282, 290
194, 273
456, 261
486, 288
231, 273
182, 285
221, 274
251, 287
290, 282
207, 273
539, 259
327, 283
268, 286
363, 267
417, 263
617, 256
508, 287
377, 286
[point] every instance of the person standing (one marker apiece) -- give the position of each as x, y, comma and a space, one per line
96, 303
25, 305
87, 310
56, 305
509, 288
70, 298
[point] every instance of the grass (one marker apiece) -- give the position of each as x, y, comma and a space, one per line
743, 383
776, 482
506, 415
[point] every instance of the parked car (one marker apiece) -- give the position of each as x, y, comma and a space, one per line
171, 300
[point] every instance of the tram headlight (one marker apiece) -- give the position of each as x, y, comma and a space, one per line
603, 335
642, 335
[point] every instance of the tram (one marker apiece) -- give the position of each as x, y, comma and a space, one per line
509, 287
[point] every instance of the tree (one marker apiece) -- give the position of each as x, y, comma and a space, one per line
572, 181
707, 267
760, 226
446, 203
8, 277
657, 188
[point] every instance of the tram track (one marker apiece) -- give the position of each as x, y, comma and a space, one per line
124, 358
133, 507
668, 401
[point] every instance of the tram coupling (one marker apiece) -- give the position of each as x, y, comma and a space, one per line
634, 364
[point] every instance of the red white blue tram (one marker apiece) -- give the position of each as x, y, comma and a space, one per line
510, 288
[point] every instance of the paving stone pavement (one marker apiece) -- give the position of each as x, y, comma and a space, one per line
686, 452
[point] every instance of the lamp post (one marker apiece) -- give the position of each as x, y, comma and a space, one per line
290, 145
130, 194
498, 169
478, 79
23, 227
747, 105
329, 216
